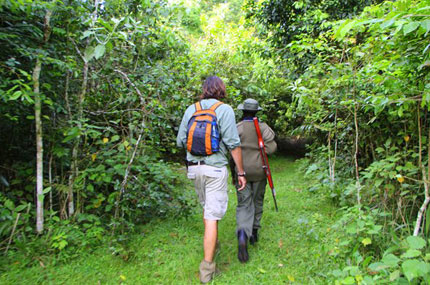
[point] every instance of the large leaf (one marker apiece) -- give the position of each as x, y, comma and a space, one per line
87, 34
416, 242
390, 260
99, 51
411, 253
21, 207
426, 25
46, 190
344, 29
9, 204
348, 280
414, 268
89, 53
409, 28
15, 95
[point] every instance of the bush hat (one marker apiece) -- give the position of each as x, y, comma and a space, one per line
249, 105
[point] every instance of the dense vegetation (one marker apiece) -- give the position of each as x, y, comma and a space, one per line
91, 94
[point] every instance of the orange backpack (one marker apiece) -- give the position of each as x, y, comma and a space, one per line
203, 137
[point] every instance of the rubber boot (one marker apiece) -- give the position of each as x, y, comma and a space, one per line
254, 238
242, 252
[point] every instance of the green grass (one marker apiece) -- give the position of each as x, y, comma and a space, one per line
292, 248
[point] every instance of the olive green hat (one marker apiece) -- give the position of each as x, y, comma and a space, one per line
249, 105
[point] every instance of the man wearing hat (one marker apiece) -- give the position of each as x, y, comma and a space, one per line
250, 200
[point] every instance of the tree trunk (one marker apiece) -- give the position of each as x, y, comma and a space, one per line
50, 182
39, 138
332, 161
357, 173
74, 167
425, 177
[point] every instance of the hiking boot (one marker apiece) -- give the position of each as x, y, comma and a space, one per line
254, 238
242, 252
207, 271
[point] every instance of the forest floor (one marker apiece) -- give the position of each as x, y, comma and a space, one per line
294, 246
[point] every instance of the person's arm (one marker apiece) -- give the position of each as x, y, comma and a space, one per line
236, 153
182, 133
269, 140
231, 140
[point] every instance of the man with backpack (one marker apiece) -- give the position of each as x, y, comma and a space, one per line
250, 200
208, 132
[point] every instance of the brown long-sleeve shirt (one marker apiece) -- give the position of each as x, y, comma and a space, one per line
252, 162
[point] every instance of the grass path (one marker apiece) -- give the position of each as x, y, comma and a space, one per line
292, 246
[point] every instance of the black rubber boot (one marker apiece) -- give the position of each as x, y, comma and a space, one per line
254, 238
242, 252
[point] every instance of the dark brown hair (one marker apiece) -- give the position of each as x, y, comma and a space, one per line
213, 88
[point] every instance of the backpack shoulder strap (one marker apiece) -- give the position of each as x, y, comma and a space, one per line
216, 105
198, 106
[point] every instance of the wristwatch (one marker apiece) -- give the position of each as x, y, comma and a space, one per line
241, 174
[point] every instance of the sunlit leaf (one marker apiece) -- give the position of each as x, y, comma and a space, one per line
390, 260
89, 53
413, 268
99, 51
411, 253
46, 190
366, 241
348, 280
409, 28
394, 275
416, 242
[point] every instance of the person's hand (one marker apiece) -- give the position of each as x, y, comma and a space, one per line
241, 182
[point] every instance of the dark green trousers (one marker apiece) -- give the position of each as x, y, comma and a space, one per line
250, 206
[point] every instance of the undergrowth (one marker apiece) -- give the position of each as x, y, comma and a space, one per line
295, 245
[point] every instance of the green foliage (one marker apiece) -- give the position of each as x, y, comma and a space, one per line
372, 81
361, 238
14, 215
406, 262
289, 19
136, 63
116, 79
169, 251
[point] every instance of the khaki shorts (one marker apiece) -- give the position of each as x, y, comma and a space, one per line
211, 187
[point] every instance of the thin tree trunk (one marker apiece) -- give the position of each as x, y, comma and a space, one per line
143, 127
50, 181
357, 175
39, 146
425, 175
332, 161
74, 166
66, 95
74, 154
39, 134
13, 231
70, 205
329, 155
